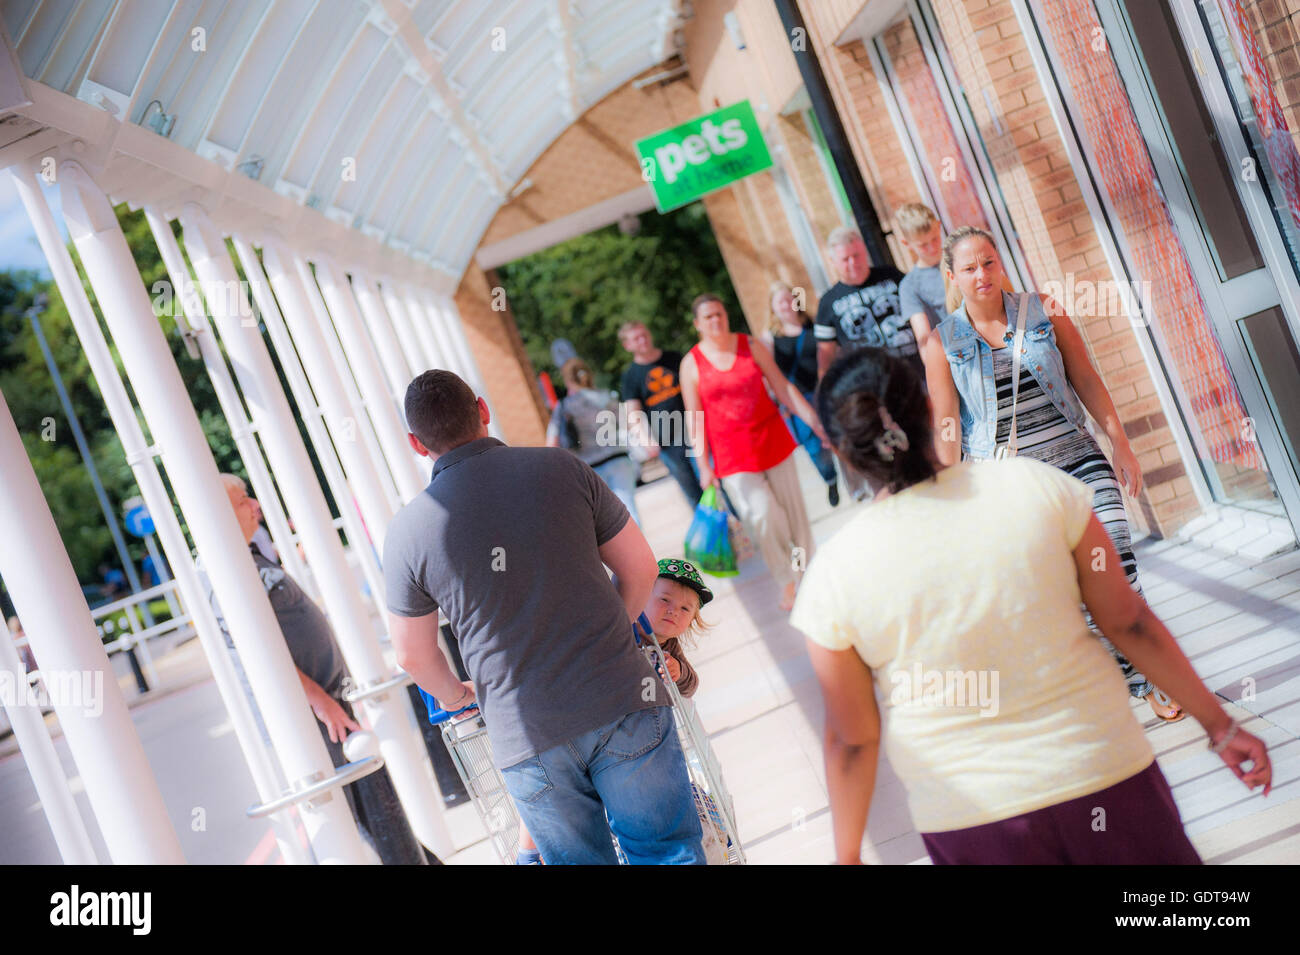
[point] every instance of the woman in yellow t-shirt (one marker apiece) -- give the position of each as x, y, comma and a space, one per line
1008, 723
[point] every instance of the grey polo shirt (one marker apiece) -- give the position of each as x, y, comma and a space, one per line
505, 541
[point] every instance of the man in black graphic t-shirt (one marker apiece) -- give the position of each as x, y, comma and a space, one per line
861, 309
650, 385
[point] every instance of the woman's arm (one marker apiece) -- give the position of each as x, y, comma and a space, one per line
785, 389
851, 744
689, 378
920, 323
1130, 624
1092, 392
945, 404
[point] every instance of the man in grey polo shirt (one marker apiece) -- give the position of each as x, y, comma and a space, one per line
512, 545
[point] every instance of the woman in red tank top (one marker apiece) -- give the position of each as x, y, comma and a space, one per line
744, 444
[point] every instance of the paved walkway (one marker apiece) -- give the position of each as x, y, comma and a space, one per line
1237, 618
759, 700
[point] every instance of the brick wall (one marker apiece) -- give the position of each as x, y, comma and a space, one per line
1043, 198
494, 340
735, 226
808, 175
1276, 25
865, 115
1056, 231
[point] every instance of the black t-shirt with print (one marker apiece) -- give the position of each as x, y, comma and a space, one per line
658, 387
868, 314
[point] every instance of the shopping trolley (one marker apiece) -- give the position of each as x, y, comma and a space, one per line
712, 800
466, 737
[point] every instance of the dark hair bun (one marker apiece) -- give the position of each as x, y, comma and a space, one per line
850, 400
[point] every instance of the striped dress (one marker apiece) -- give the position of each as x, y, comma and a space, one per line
1043, 433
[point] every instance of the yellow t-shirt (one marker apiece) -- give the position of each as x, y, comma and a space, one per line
961, 595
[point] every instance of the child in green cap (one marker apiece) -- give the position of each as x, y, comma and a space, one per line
674, 614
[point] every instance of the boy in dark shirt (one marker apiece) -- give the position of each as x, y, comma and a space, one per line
650, 385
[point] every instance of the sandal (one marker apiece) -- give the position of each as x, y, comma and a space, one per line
1164, 707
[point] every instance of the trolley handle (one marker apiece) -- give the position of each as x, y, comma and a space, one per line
436, 713
641, 627
440, 715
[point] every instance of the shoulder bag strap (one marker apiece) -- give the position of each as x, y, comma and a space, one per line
1017, 345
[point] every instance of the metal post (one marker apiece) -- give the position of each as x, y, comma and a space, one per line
365, 430
142, 464
97, 724
314, 419
383, 333
42, 760
412, 344
837, 141
446, 322
359, 355
296, 308
388, 714
107, 259
160, 571
242, 428
433, 347
431, 319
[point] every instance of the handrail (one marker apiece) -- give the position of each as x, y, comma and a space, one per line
343, 775
365, 692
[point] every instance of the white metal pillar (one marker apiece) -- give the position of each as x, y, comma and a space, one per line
359, 355
140, 457
438, 355
314, 420
383, 332
446, 321
412, 344
175, 427
312, 342
388, 715
43, 763
365, 429
242, 427
110, 757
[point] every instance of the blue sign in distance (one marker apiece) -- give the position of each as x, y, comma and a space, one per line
138, 522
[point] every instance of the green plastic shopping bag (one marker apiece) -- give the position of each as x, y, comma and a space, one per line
708, 539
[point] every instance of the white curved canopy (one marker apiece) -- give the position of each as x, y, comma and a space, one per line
409, 120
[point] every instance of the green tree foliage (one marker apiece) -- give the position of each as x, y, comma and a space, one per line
29, 390
585, 288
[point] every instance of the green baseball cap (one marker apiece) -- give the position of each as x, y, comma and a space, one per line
684, 572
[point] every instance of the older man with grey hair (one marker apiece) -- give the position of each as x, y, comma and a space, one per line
323, 674
862, 307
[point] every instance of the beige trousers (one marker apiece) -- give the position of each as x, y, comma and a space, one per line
770, 505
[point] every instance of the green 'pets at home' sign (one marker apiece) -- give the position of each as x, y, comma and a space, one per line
703, 155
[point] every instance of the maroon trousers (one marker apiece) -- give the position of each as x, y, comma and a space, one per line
1134, 822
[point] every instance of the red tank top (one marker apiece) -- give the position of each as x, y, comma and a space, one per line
742, 423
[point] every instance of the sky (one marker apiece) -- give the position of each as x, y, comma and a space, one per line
18, 246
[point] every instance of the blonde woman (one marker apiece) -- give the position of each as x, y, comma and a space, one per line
970, 362
794, 347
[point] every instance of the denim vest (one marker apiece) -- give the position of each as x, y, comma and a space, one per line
971, 361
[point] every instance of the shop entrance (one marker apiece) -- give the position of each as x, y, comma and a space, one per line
1149, 92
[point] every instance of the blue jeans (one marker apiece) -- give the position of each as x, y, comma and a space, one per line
682, 468
620, 474
628, 776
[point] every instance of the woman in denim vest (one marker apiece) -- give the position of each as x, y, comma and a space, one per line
969, 371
